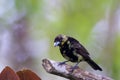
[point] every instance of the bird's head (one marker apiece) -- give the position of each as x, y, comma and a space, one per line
60, 40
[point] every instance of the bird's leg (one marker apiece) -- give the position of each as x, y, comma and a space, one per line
76, 65
61, 63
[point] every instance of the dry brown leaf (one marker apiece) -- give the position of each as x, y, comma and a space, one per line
8, 74
27, 75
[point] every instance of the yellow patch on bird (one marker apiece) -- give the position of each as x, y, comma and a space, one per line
78, 55
64, 39
66, 57
69, 45
62, 42
64, 51
68, 42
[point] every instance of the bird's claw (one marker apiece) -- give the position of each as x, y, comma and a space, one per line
61, 63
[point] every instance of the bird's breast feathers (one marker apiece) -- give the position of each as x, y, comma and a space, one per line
69, 52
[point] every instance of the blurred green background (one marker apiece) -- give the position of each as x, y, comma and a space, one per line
28, 29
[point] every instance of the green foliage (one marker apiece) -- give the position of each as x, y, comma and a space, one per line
116, 60
28, 6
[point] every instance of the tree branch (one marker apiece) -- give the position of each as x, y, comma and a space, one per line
65, 71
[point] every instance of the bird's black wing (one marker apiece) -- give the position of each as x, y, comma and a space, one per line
79, 48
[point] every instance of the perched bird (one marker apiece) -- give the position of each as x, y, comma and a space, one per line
73, 51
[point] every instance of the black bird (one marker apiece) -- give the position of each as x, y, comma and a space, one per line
73, 51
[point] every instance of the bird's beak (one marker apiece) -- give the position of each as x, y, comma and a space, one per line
56, 44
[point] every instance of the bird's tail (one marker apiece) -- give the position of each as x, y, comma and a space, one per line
93, 65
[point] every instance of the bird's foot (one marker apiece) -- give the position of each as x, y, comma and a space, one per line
76, 66
73, 68
61, 63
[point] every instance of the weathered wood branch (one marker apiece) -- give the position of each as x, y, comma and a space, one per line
65, 71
